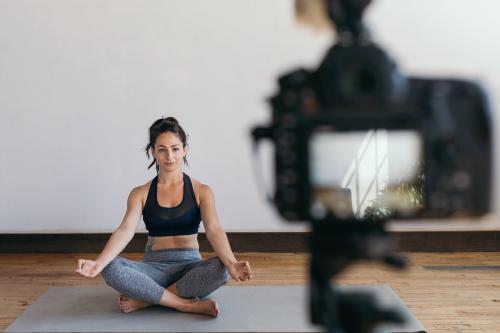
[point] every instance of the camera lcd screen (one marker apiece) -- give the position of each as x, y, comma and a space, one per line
366, 174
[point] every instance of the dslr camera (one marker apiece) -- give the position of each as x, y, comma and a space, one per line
357, 139
358, 143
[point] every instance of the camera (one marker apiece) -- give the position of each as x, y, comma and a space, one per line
357, 139
358, 143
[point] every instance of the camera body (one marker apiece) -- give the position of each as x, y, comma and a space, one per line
357, 88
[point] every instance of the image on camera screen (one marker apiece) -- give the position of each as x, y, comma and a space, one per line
366, 174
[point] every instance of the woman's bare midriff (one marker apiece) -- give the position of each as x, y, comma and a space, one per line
174, 242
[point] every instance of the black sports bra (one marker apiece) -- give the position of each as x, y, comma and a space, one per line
183, 219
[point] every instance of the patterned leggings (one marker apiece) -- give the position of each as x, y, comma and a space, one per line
146, 280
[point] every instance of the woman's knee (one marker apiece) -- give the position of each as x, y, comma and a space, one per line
220, 270
112, 269
204, 280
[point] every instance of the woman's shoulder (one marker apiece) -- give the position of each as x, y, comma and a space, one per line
201, 190
143, 187
141, 191
199, 186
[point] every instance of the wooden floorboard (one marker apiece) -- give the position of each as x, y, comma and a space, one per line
459, 301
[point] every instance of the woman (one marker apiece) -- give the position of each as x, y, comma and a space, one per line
172, 272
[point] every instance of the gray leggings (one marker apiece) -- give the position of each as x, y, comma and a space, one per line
147, 280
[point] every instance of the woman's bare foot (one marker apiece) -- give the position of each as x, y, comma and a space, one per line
129, 305
205, 306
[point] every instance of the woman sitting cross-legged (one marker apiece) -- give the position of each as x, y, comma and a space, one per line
172, 272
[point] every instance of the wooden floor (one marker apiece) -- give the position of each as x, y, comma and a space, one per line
444, 301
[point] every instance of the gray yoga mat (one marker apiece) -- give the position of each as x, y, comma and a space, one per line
243, 309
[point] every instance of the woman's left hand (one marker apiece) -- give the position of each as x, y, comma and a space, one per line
240, 271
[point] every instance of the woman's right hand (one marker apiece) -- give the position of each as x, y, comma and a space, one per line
87, 268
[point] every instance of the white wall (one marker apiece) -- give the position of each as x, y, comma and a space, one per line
81, 81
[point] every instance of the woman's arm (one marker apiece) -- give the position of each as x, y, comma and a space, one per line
218, 238
118, 240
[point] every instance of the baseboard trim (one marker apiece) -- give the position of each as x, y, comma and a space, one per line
449, 241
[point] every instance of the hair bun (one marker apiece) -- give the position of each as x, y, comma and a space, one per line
171, 120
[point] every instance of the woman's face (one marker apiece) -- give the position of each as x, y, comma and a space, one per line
169, 151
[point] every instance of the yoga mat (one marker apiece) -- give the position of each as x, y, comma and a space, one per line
243, 309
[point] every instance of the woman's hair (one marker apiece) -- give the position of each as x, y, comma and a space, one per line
163, 125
